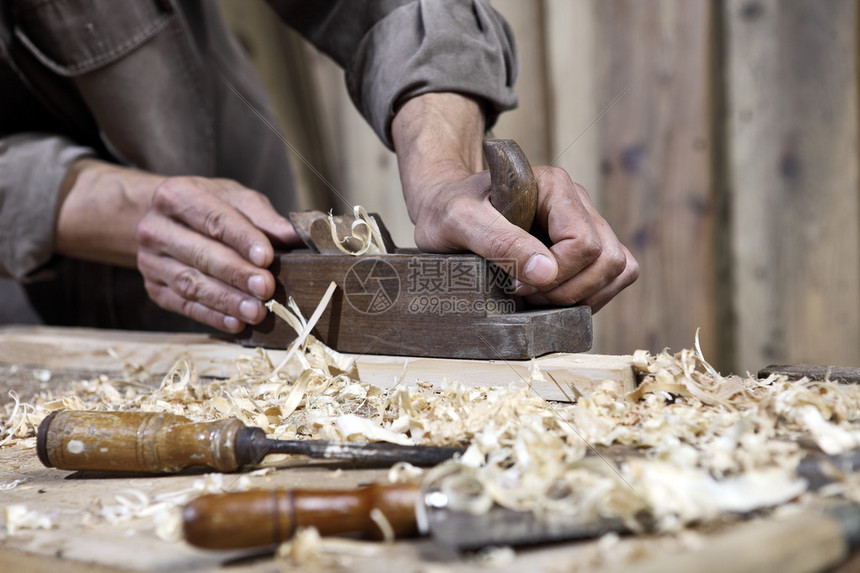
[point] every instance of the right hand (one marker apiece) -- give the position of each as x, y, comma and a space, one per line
203, 249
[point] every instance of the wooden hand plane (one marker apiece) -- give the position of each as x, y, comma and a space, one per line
410, 303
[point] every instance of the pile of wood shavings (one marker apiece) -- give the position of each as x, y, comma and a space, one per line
704, 444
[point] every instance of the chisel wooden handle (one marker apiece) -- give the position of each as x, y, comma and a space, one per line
514, 191
137, 442
145, 442
262, 518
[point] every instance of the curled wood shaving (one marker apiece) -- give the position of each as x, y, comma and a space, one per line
378, 517
304, 549
493, 557
364, 230
12, 484
19, 518
307, 550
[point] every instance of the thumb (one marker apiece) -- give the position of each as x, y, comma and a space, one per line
521, 254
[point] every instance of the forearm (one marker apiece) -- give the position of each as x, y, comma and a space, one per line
438, 142
100, 206
437, 138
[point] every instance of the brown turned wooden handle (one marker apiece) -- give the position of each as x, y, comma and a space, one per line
135, 442
262, 518
514, 191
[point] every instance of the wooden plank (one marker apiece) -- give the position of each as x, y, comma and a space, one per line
105, 351
582, 372
656, 189
793, 173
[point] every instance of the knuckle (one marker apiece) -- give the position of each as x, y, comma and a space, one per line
215, 224
167, 193
145, 264
559, 174
188, 284
254, 198
189, 308
451, 219
590, 247
200, 257
145, 233
580, 189
160, 295
632, 270
174, 192
239, 195
616, 262
153, 290
238, 277
560, 183
223, 301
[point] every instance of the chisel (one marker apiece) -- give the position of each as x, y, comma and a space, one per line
260, 518
144, 442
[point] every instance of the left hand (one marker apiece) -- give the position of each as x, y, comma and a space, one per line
204, 248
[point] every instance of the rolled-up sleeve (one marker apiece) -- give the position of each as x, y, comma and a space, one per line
395, 50
32, 169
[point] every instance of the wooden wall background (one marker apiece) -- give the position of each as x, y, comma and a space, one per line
719, 138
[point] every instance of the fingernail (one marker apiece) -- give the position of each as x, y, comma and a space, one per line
258, 255
232, 324
522, 289
539, 270
257, 286
249, 309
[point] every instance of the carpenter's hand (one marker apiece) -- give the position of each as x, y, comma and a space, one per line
586, 263
438, 141
203, 249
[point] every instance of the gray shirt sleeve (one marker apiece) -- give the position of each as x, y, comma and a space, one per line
33, 167
393, 50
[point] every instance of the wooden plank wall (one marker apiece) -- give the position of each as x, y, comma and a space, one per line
792, 172
655, 171
719, 138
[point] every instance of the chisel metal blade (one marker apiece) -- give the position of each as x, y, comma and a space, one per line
256, 446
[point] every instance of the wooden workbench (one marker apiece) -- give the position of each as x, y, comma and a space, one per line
70, 354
